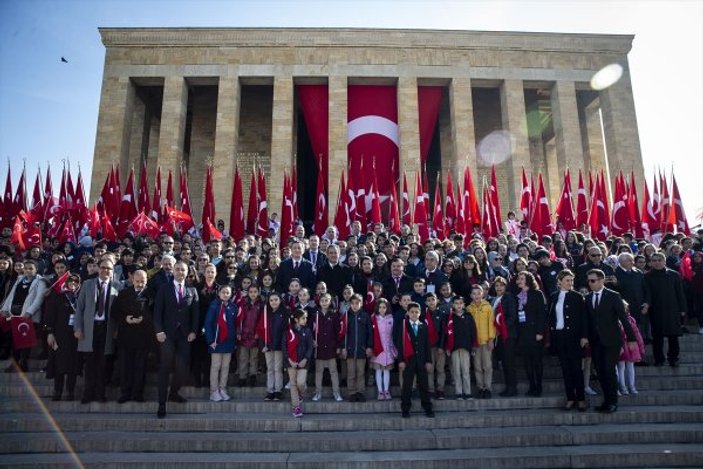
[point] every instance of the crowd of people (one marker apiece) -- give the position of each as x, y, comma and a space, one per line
360, 308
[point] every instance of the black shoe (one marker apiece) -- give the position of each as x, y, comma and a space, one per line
71, 397
582, 406
56, 397
175, 397
508, 393
269, 396
658, 363
612, 408
674, 363
252, 381
360, 397
642, 363
138, 399
439, 395
406, 415
122, 399
531, 393
486, 394
161, 413
241, 383
602, 408
429, 414
86, 400
102, 399
353, 398
277, 396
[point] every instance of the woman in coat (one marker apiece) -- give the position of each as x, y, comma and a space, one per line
63, 345
568, 326
531, 321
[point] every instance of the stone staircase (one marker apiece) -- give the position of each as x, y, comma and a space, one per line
660, 427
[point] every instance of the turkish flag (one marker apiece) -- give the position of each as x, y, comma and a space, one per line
185, 199
32, 235
678, 216
253, 205
143, 196
156, 204
525, 198
262, 227
649, 217
286, 229
23, 334
17, 237
472, 213
438, 217
408, 349
144, 225
495, 200
320, 223
208, 203
37, 209
634, 208
450, 210
581, 204
420, 214
565, 207
375, 214
80, 206
372, 132
406, 218
541, 221
393, 214
598, 219
341, 216
236, 214
128, 207
621, 217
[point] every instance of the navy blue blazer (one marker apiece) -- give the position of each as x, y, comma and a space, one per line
304, 273
174, 317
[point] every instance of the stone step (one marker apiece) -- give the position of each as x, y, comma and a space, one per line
281, 421
299, 442
45, 388
627, 455
30, 404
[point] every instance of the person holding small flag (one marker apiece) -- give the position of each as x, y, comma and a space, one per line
219, 335
297, 347
506, 319
459, 340
384, 351
482, 313
413, 346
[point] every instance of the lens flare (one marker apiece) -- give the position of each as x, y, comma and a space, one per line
495, 148
606, 76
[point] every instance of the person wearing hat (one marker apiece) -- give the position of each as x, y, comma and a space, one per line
548, 271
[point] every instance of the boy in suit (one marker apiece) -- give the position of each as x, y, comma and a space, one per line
415, 355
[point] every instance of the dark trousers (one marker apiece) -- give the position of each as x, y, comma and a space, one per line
672, 353
60, 379
95, 364
506, 354
570, 367
200, 361
175, 357
415, 369
132, 369
532, 357
605, 360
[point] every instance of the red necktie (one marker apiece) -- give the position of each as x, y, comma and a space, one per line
180, 292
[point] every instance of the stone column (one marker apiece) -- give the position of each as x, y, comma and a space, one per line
622, 141
409, 130
226, 135
337, 89
461, 108
136, 140
114, 130
512, 108
281, 139
172, 131
592, 137
567, 131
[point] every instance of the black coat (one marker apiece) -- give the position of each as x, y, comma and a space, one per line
390, 290
304, 273
421, 343
510, 314
128, 303
169, 313
575, 321
581, 280
633, 288
335, 277
534, 321
668, 301
57, 320
603, 328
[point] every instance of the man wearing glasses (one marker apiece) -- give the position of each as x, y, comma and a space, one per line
605, 307
95, 328
167, 246
594, 261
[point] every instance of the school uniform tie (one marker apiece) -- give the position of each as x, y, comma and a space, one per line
415, 328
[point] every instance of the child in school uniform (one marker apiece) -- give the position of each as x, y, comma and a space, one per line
220, 335
482, 313
413, 346
273, 323
358, 343
297, 347
246, 322
325, 334
435, 318
459, 340
384, 351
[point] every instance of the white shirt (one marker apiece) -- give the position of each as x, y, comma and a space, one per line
182, 289
560, 309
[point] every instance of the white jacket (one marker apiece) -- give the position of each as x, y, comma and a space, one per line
35, 298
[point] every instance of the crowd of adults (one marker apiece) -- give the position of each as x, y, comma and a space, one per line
141, 304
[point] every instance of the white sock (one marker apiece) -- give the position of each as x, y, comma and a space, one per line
630, 367
386, 380
379, 380
621, 375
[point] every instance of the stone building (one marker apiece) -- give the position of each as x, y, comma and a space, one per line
186, 96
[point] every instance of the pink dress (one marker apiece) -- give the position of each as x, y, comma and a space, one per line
628, 355
385, 331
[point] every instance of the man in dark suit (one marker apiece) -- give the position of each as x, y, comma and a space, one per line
316, 257
335, 274
433, 275
398, 283
633, 288
162, 277
415, 362
175, 322
594, 261
605, 307
295, 267
94, 327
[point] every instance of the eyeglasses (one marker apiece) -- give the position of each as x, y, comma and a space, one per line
231, 268
595, 255
498, 259
229, 257
594, 280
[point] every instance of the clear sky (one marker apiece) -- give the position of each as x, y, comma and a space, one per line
49, 109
